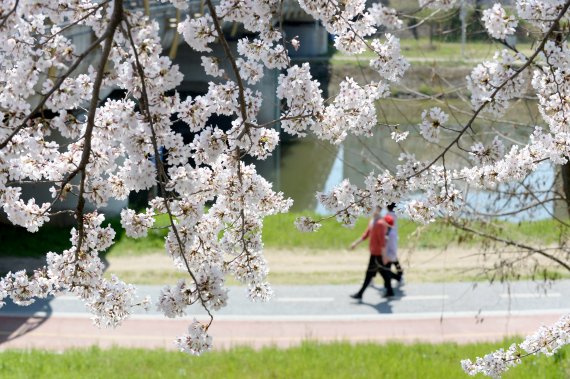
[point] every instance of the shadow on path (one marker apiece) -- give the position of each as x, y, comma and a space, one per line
14, 323
17, 320
22, 250
385, 305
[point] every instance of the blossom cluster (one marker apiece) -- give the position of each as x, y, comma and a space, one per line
196, 341
497, 23
493, 83
440, 196
78, 271
342, 202
541, 13
432, 122
351, 23
553, 88
483, 155
385, 16
390, 63
546, 340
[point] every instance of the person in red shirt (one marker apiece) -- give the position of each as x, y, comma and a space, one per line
376, 234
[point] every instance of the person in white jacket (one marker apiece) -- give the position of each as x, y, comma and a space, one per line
392, 244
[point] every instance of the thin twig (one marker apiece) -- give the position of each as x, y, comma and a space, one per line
511, 243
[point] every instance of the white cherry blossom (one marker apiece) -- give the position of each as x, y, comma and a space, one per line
433, 121
497, 23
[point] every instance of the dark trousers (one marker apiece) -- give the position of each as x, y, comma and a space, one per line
399, 270
375, 266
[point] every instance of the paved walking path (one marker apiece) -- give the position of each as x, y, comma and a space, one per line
461, 312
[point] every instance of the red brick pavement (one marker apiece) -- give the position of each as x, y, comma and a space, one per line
59, 333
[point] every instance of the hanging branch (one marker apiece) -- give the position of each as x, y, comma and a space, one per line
116, 17
163, 177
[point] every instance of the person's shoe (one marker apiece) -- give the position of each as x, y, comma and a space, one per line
356, 296
401, 280
388, 295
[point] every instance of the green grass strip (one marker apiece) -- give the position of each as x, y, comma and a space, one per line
444, 51
310, 360
279, 232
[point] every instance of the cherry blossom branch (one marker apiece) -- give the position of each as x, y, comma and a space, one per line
114, 22
538, 50
243, 111
533, 195
519, 210
160, 166
439, 100
76, 22
546, 340
229, 55
55, 87
12, 11
511, 243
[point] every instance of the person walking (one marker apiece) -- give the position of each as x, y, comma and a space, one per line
392, 243
376, 233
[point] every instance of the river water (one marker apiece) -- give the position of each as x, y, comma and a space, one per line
307, 165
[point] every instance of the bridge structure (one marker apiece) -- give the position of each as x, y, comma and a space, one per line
294, 22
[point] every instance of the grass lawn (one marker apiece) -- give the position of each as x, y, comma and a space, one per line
405, 112
449, 53
310, 360
279, 233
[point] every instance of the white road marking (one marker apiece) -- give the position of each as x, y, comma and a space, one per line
304, 299
330, 299
530, 295
422, 297
307, 317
